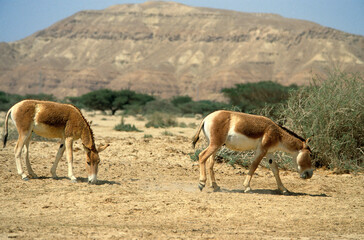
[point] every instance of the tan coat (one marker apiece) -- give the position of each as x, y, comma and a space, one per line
241, 132
53, 120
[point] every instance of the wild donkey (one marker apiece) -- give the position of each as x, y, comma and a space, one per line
53, 120
240, 131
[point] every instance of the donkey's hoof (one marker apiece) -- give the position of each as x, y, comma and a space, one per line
248, 190
25, 179
201, 186
73, 180
286, 192
215, 187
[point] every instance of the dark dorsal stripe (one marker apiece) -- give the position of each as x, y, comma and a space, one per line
292, 133
295, 135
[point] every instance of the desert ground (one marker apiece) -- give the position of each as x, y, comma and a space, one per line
147, 189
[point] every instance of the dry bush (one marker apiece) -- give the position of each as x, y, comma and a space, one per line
331, 111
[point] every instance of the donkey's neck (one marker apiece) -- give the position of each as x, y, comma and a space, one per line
292, 143
87, 137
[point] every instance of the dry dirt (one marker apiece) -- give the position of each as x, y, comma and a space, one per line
147, 189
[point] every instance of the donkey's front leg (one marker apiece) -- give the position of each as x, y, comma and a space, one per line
275, 171
59, 155
69, 148
259, 154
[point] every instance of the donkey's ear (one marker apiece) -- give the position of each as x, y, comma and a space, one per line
102, 147
305, 143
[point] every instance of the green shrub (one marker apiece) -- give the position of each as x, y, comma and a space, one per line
179, 100
160, 106
251, 96
194, 155
225, 155
244, 158
182, 125
167, 133
331, 111
106, 99
201, 107
192, 125
235, 157
126, 127
148, 136
161, 120
7, 100
41, 96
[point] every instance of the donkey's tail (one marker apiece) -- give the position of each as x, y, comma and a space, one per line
197, 134
5, 137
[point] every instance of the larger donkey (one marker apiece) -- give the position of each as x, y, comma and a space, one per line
53, 120
240, 131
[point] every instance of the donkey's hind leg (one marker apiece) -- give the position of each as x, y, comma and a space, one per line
17, 150
27, 162
203, 156
210, 167
59, 155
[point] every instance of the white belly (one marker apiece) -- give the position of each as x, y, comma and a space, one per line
240, 142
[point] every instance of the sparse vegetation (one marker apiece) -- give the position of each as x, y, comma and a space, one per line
194, 155
160, 105
126, 127
203, 107
161, 120
330, 110
148, 136
7, 100
106, 99
167, 133
182, 125
252, 96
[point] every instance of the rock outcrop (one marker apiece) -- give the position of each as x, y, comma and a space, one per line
168, 49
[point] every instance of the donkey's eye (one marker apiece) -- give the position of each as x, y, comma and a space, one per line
89, 163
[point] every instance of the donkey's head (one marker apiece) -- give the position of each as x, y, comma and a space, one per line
92, 162
304, 161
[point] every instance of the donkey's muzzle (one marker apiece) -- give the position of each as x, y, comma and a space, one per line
307, 174
92, 179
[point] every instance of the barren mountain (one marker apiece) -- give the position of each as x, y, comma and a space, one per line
168, 49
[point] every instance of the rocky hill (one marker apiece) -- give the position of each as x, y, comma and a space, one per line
167, 49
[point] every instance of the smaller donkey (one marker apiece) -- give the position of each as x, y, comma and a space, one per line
241, 132
53, 120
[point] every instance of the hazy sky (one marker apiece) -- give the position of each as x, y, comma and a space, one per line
21, 18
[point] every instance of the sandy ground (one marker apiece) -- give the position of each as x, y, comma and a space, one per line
147, 189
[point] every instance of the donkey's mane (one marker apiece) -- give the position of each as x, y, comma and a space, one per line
87, 124
292, 133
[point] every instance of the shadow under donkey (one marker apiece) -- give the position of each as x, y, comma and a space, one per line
271, 192
82, 180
